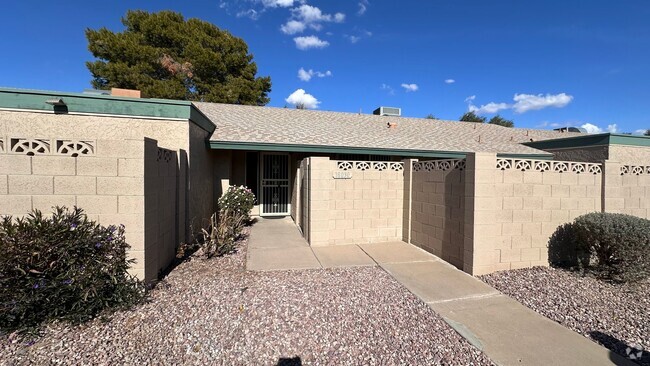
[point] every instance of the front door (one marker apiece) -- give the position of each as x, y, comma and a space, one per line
274, 198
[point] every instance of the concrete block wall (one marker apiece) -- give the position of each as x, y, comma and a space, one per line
363, 204
520, 204
438, 208
98, 163
627, 189
108, 185
161, 208
303, 198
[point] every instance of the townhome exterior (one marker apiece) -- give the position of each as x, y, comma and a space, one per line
482, 197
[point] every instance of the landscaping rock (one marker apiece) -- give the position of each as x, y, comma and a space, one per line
214, 312
616, 316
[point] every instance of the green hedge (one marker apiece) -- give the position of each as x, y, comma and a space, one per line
615, 246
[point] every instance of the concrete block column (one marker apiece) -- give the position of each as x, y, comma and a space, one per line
321, 185
481, 228
613, 199
408, 199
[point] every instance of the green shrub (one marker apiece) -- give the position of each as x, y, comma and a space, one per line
238, 200
563, 249
62, 267
618, 244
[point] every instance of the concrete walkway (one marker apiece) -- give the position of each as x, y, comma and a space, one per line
507, 331
277, 244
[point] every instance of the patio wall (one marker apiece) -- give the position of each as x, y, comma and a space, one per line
627, 189
109, 167
518, 205
355, 201
438, 208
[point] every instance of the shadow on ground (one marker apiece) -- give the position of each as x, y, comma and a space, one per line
294, 361
616, 346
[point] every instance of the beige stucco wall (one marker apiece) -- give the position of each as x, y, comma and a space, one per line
438, 208
108, 178
367, 207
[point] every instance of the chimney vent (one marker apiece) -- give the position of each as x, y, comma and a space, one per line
388, 111
117, 92
392, 124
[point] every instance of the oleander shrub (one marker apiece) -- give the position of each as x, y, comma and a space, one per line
612, 246
62, 266
237, 200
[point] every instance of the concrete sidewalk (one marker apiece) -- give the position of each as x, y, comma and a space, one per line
276, 244
507, 331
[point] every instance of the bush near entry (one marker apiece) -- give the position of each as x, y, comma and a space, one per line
62, 267
614, 246
224, 227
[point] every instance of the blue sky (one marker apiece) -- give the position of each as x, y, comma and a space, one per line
542, 64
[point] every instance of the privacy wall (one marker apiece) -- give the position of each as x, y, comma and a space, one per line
485, 214
128, 171
438, 208
354, 201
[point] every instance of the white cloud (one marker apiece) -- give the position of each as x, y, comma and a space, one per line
359, 36
523, 103
305, 43
488, 108
410, 87
250, 13
305, 16
300, 98
388, 88
293, 27
363, 7
530, 102
591, 128
313, 15
306, 75
279, 3
640, 132
450, 81
352, 39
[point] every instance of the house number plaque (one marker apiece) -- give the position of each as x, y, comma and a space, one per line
342, 175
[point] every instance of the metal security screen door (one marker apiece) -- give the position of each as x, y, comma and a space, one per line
275, 185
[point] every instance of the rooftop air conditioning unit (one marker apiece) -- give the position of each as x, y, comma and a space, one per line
388, 111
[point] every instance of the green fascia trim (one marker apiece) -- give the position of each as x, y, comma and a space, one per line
602, 139
94, 104
568, 142
632, 140
526, 156
254, 146
201, 120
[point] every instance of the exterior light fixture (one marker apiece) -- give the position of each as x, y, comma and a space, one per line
55, 101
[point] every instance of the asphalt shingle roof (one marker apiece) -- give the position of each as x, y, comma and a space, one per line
237, 123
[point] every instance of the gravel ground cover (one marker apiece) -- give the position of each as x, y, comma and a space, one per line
613, 315
214, 312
